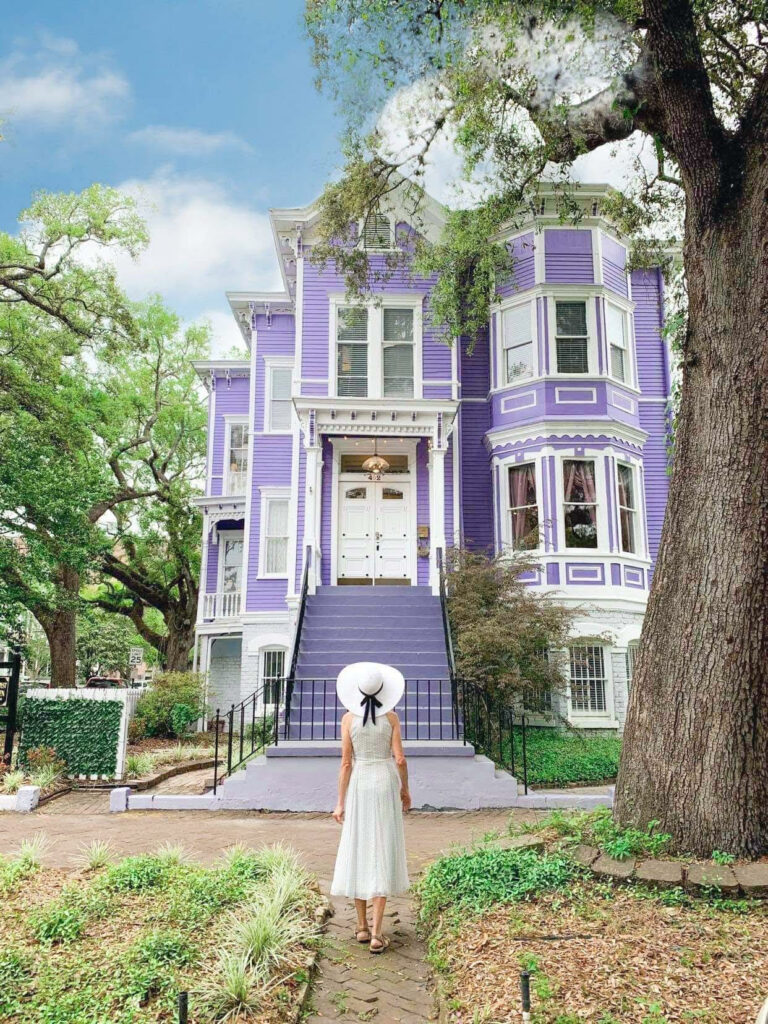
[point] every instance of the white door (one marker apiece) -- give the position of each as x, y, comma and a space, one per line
374, 541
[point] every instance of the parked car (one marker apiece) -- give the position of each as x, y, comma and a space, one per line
103, 683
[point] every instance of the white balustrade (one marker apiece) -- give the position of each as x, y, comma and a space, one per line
222, 605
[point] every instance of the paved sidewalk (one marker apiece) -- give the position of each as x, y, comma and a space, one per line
389, 989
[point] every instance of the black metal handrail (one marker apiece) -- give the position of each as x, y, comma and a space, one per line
448, 638
9, 704
493, 728
249, 727
297, 634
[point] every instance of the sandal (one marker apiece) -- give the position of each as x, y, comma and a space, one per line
383, 944
365, 932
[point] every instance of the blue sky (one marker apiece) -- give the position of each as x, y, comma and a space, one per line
205, 108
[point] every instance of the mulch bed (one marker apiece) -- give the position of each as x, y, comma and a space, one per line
609, 956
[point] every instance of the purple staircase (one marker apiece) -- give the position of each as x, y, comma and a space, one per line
401, 626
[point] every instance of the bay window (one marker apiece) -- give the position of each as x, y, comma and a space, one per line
579, 503
571, 337
523, 508
587, 679
517, 342
352, 351
616, 335
237, 458
279, 420
397, 352
627, 508
274, 534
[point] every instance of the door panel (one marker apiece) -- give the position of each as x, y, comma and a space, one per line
392, 541
374, 541
356, 541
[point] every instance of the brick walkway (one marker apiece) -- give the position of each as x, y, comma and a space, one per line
351, 983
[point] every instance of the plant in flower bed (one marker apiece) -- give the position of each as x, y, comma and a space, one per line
41, 767
147, 762
560, 757
597, 828
596, 953
117, 941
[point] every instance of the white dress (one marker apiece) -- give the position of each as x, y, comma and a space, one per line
371, 858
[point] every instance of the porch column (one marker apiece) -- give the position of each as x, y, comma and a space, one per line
312, 490
436, 513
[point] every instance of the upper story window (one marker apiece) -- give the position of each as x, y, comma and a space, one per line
616, 332
237, 457
627, 508
523, 508
397, 352
377, 351
231, 564
579, 503
517, 342
274, 533
572, 336
279, 415
377, 232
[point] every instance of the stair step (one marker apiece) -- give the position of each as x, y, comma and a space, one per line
359, 617
383, 592
404, 633
410, 671
320, 645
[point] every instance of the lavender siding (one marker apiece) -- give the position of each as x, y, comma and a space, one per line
653, 420
475, 495
651, 354
524, 274
528, 403
231, 400
422, 504
212, 572
614, 265
568, 256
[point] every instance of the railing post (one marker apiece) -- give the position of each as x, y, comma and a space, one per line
216, 752
525, 758
231, 723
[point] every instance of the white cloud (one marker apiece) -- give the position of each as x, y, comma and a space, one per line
56, 85
203, 242
225, 332
187, 141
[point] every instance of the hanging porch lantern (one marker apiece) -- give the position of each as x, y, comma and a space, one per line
375, 465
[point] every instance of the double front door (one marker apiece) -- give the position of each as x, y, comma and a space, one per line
375, 536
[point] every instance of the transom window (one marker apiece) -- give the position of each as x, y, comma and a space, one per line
237, 468
572, 337
627, 508
517, 342
272, 673
523, 508
352, 462
579, 503
276, 537
587, 678
616, 333
375, 351
280, 398
377, 232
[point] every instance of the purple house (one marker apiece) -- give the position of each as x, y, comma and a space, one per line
549, 436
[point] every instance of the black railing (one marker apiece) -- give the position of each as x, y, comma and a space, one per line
297, 634
9, 696
495, 729
448, 637
247, 728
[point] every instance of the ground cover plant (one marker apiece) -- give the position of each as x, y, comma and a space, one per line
599, 828
596, 952
146, 762
560, 757
118, 939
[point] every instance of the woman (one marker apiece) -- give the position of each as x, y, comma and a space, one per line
373, 793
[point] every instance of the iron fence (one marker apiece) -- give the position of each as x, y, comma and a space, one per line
247, 728
494, 728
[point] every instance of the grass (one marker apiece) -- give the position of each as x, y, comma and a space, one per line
117, 941
560, 757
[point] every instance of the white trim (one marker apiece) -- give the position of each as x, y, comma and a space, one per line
227, 535
597, 256
592, 354
248, 523
268, 494
505, 307
601, 503
565, 291
271, 363
203, 585
640, 540
505, 463
553, 428
233, 420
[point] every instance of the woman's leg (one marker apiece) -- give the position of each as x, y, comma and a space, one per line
379, 902
362, 917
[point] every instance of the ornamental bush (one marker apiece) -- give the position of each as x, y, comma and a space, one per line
173, 703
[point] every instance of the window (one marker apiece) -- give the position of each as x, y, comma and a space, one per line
632, 648
580, 503
272, 673
377, 233
276, 537
572, 337
237, 470
397, 352
352, 462
280, 399
627, 508
352, 351
232, 565
616, 333
523, 508
517, 341
587, 675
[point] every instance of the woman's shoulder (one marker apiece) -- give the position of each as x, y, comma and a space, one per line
393, 719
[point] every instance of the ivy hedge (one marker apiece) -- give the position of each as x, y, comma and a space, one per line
84, 733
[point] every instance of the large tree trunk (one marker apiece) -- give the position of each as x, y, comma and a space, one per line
60, 627
178, 643
695, 753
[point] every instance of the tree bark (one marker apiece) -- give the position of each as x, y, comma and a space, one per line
695, 754
60, 627
178, 646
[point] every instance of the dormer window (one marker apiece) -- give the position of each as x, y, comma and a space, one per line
572, 337
377, 232
517, 342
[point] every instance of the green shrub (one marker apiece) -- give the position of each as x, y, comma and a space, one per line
479, 879
137, 765
174, 701
558, 757
597, 828
144, 871
14, 971
59, 922
12, 782
153, 962
44, 757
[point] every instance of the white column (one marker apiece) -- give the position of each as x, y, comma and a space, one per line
436, 513
312, 512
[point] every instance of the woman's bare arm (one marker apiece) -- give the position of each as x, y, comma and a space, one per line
345, 771
400, 761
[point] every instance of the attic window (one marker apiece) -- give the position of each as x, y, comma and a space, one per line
377, 233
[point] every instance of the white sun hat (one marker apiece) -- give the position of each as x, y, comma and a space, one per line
367, 688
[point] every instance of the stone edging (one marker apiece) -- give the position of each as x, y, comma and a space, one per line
323, 912
150, 780
24, 800
700, 878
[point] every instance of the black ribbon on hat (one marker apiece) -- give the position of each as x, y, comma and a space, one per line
370, 704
